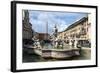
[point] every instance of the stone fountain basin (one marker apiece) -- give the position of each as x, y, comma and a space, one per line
57, 53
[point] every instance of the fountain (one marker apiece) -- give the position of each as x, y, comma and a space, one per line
57, 49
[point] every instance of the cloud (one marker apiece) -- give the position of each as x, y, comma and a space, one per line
39, 20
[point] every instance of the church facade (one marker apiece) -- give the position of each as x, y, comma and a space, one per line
27, 33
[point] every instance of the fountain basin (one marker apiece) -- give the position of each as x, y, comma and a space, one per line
57, 53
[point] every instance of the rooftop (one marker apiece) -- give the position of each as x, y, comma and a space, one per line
77, 23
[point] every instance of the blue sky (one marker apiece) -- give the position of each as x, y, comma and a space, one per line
62, 20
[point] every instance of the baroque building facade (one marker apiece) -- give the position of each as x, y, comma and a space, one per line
77, 33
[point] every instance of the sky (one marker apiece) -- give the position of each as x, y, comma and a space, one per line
39, 20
